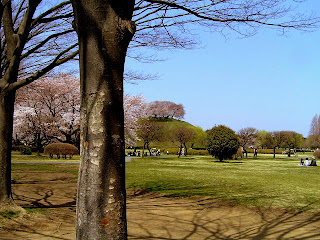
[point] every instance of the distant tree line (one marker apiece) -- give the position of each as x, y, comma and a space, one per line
52, 114
48, 110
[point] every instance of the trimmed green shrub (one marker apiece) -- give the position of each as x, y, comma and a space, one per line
190, 151
61, 149
265, 151
26, 151
222, 142
197, 152
19, 148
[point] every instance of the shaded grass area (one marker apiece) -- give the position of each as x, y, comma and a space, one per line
267, 182
9, 214
18, 157
66, 168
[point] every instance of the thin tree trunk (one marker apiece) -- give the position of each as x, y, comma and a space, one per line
149, 150
246, 152
104, 34
6, 124
179, 152
274, 152
185, 149
38, 143
144, 147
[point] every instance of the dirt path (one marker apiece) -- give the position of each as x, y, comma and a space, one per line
151, 216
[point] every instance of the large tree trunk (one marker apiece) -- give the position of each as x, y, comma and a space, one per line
104, 30
6, 124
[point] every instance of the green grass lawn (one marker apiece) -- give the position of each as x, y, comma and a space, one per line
267, 182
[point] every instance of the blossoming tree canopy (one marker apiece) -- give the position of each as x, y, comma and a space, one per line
53, 112
165, 109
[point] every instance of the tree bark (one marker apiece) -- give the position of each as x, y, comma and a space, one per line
104, 33
274, 152
143, 148
179, 152
16, 35
6, 124
185, 149
149, 150
246, 152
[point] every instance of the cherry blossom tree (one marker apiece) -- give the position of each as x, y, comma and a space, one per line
53, 112
30, 127
183, 136
165, 109
36, 36
134, 108
148, 131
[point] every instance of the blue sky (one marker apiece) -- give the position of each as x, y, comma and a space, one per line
267, 81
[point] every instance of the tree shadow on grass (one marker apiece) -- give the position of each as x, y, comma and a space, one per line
153, 216
45, 197
47, 225
210, 219
226, 161
42, 200
27, 230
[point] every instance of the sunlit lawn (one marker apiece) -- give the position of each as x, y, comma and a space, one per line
260, 182
263, 181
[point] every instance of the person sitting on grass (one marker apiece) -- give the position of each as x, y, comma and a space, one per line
301, 162
313, 162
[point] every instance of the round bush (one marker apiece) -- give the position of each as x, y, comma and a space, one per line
316, 154
222, 142
238, 154
59, 149
26, 151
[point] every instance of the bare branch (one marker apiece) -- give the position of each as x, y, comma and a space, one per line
8, 28
173, 24
46, 40
51, 10
56, 62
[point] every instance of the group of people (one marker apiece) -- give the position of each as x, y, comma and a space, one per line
134, 154
157, 153
138, 153
307, 163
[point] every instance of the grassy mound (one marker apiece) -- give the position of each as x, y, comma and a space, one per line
169, 125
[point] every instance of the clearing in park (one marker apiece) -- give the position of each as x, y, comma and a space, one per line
194, 197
